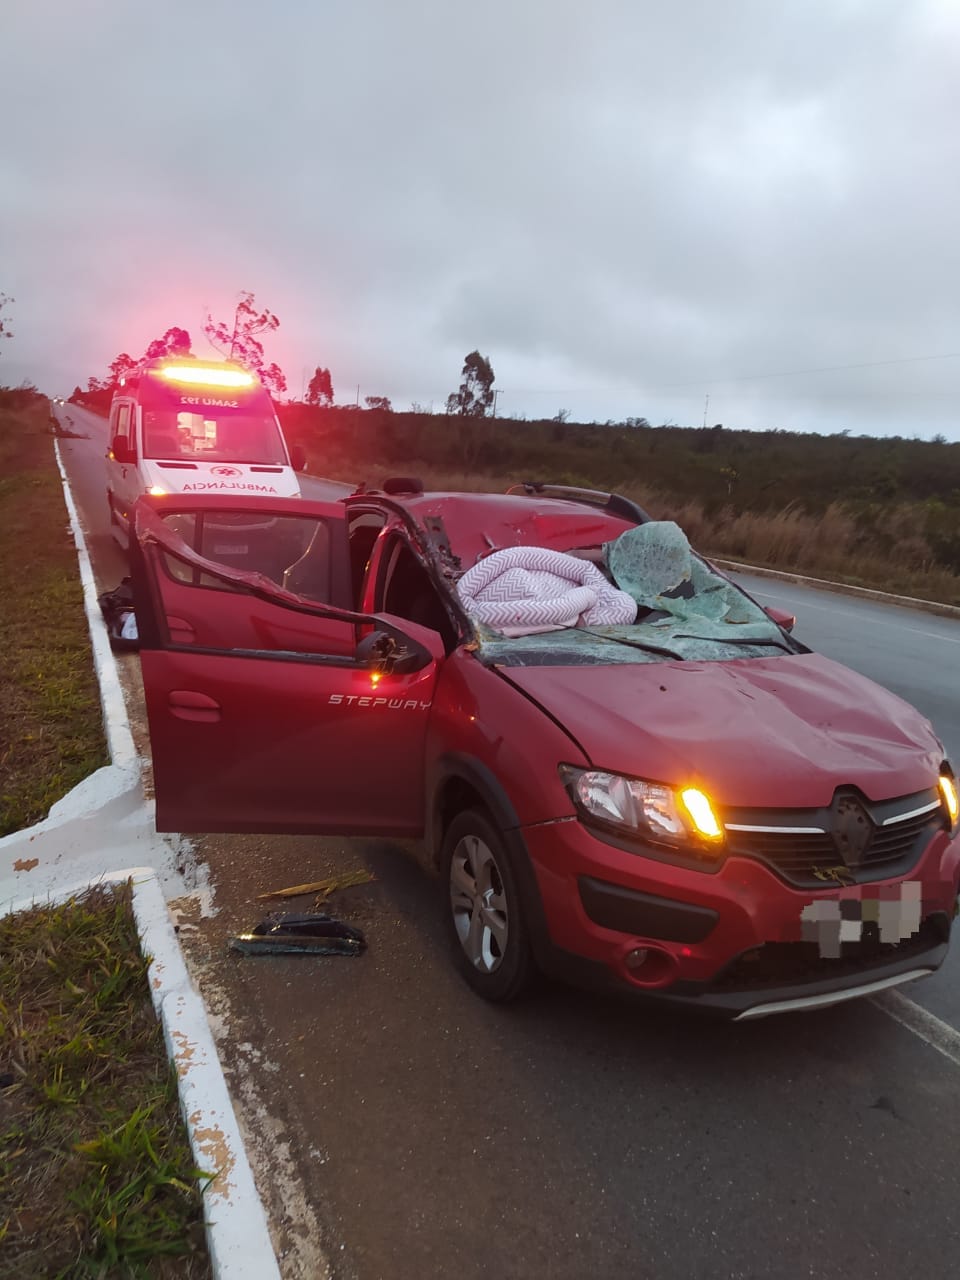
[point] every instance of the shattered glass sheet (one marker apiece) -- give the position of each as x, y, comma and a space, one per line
666, 641
654, 564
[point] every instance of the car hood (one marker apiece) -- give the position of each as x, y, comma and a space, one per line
783, 731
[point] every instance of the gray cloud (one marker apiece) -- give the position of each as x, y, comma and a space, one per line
627, 206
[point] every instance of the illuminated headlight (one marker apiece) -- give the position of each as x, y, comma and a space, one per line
668, 815
948, 795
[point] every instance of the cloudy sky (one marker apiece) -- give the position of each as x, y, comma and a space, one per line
628, 205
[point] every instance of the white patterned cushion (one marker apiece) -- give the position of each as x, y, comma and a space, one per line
523, 590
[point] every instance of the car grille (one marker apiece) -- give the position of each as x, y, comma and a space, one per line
897, 836
783, 963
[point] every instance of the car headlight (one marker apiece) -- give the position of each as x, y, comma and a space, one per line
680, 816
948, 796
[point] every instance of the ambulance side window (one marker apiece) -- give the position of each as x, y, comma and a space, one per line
121, 430
123, 422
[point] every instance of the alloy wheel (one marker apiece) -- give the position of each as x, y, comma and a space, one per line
479, 904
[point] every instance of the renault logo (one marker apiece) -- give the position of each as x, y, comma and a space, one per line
852, 830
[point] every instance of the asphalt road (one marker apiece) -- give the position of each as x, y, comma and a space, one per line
571, 1136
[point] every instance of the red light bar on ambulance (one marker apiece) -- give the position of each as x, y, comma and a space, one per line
203, 375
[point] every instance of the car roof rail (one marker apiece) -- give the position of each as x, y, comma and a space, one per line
615, 503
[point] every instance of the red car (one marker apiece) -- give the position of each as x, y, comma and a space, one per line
689, 804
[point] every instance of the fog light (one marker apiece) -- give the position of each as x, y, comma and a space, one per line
649, 966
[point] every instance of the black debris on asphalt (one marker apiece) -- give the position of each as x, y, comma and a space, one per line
301, 933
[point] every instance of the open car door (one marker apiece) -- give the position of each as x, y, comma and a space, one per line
272, 710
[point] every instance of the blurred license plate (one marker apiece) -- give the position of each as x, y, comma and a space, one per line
232, 549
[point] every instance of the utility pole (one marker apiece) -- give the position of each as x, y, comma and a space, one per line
497, 392
358, 395
705, 404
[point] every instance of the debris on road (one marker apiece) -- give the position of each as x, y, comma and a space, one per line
306, 933
321, 887
117, 609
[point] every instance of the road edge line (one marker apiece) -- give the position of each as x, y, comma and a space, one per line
116, 722
921, 1022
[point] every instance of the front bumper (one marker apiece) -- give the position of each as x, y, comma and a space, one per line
737, 941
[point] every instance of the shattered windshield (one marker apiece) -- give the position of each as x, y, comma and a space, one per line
641, 642
645, 597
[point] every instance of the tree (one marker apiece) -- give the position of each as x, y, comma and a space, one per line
240, 340
476, 390
121, 367
378, 402
320, 390
175, 342
5, 330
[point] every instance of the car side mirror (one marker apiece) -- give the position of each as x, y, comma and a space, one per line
786, 620
392, 655
298, 457
122, 450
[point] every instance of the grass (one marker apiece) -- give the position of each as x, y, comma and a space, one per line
96, 1177
52, 734
832, 546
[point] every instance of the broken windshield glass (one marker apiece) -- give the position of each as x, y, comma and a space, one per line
687, 612
640, 643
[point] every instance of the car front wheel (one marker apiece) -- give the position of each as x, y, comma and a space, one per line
486, 914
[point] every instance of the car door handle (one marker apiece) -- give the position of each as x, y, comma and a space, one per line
181, 631
187, 705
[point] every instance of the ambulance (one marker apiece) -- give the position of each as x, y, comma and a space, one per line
186, 426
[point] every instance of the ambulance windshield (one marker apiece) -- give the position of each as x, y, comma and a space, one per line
211, 434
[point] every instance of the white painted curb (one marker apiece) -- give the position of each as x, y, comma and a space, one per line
90, 835
119, 738
238, 1238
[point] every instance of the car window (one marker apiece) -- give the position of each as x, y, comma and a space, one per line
406, 590
364, 530
292, 551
